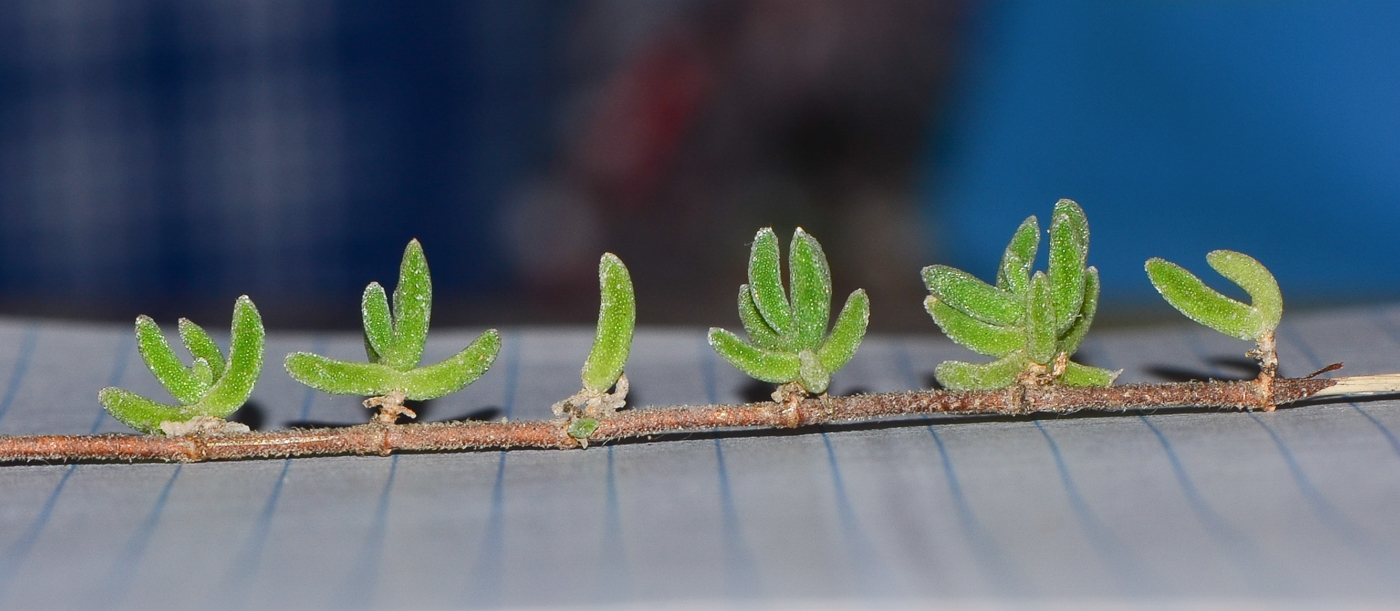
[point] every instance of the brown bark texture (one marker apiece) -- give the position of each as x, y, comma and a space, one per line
378, 438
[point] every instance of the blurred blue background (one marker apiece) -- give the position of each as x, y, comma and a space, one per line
163, 157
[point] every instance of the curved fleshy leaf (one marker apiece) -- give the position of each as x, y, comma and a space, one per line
1189, 295
1014, 273
973, 297
760, 334
139, 412
760, 364
1069, 342
766, 282
1069, 249
813, 377
1084, 375
245, 358
413, 305
617, 315
1255, 279
1040, 321
201, 346
454, 373
959, 375
847, 333
202, 372
161, 360
378, 322
811, 290
974, 334
342, 377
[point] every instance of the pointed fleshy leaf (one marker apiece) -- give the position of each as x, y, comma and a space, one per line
1255, 279
1014, 273
958, 375
342, 377
1069, 342
1069, 248
973, 297
203, 373
617, 314
201, 346
847, 333
378, 323
760, 334
413, 304
1040, 321
161, 360
139, 412
245, 359
811, 290
453, 374
974, 334
1189, 295
813, 377
760, 364
766, 282
1084, 375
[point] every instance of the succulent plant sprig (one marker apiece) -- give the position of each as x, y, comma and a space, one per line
1031, 324
788, 340
1254, 322
394, 342
210, 389
612, 343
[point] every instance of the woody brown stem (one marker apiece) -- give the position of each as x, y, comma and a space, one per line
378, 438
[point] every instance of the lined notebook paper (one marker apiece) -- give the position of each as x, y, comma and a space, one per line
1303, 503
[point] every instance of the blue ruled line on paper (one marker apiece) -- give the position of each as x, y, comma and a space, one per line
237, 585
125, 346
18, 552
26, 353
998, 570
741, 579
1243, 552
116, 586
1347, 531
1114, 555
1394, 336
357, 591
614, 579
485, 587
872, 576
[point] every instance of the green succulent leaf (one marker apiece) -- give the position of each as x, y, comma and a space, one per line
1084, 375
138, 412
811, 289
813, 377
758, 330
161, 360
342, 377
413, 303
958, 375
247, 342
454, 373
974, 334
378, 322
1189, 295
1069, 249
766, 365
847, 333
1014, 273
617, 314
766, 282
582, 428
201, 346
974, 297
1069, 342
1255, 279
218, 399
1040, 321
